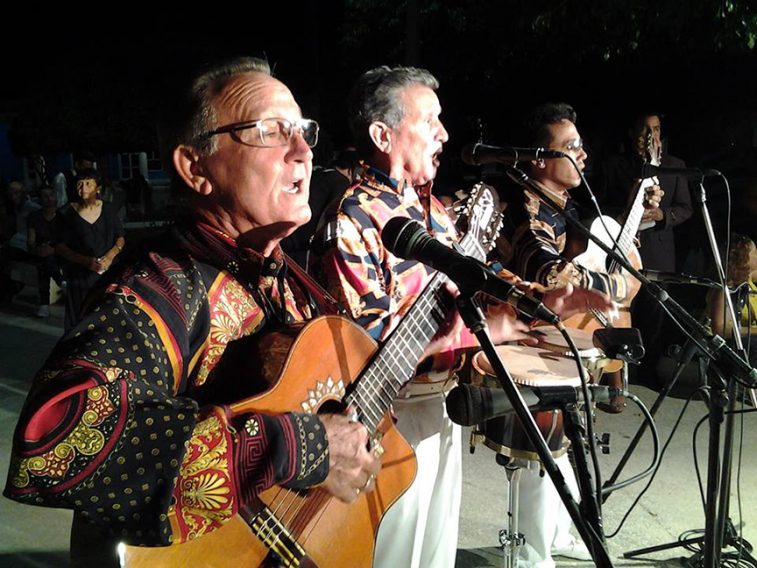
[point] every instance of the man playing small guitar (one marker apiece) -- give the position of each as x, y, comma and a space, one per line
535, 246
661, 225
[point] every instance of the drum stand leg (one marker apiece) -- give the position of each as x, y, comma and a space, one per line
509, 537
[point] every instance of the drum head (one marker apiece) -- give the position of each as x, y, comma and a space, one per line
531, 366
552, 340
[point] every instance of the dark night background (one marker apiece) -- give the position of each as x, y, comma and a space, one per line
81, 78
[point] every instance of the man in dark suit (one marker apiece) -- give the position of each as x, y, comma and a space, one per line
622, 177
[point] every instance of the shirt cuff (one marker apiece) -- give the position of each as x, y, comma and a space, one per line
292, 447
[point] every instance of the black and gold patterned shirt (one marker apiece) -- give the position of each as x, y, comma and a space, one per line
123, 424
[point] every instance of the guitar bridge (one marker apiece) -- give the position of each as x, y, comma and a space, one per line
284, 551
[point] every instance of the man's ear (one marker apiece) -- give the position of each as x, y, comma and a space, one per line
538, 163
381, 135
186, 160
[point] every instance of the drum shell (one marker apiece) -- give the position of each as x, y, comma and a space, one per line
531, 366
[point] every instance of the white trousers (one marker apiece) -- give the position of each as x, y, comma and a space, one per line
542, 517
420, 529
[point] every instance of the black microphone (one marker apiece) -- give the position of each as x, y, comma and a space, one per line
469, 405
675, 278
408, 239
648, 170
480, 154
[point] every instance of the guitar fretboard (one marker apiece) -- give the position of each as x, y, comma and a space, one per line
395, 362
631, 226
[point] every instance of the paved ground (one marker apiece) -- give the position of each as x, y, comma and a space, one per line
31, 536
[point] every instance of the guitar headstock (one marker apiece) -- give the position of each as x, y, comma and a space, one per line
652, 148
481, 218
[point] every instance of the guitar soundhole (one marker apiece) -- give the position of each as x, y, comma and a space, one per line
273, 560
332, 407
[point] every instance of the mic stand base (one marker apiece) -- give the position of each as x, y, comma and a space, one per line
742, 546
719, 531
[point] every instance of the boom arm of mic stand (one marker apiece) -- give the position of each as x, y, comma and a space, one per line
475, 321
713, 346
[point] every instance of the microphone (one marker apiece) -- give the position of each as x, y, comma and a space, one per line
675, 278
480, 154
408, 239
469, 405
648, 170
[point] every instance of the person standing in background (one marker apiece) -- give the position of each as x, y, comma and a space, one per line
90, 236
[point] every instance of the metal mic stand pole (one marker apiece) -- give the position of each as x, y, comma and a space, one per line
714, 545
590, 533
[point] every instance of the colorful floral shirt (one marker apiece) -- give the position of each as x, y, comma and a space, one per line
123, 423
351, 261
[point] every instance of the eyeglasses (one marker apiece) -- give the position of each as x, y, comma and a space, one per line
269, 132
574, 145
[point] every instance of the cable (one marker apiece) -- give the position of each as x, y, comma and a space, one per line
657, 466
587, 409
657, 456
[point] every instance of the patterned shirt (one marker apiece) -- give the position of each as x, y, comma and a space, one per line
117, 426
534, 239
352, 262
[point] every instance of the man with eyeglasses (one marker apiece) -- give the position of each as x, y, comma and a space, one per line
533, 244
127, 422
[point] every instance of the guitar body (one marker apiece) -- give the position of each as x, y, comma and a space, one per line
588, 254
317, 529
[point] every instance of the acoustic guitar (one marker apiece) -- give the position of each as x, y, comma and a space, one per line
588, 254
328, 364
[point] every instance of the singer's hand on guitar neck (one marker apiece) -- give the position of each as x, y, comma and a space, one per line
352, 467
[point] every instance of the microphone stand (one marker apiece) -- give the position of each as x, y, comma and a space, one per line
725, 360
591, 534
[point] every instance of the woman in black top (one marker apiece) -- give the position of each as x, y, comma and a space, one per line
90, 237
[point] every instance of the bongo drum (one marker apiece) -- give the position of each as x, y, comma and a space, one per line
533, 367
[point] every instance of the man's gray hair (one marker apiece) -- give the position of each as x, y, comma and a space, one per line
377, 96
189, 118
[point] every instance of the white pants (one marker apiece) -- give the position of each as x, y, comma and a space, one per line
420, 529
542, 517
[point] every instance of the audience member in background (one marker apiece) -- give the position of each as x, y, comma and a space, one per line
41, 243
14, 213
65, 182
742, 274
90, 237
326, 185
